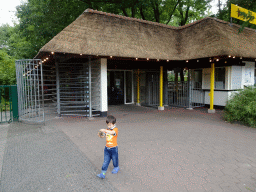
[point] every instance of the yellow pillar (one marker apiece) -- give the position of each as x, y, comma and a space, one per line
138, 88
161, 89
211, 110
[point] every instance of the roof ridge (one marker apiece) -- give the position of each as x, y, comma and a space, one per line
160, 24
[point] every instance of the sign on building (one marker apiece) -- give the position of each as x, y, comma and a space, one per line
236, 13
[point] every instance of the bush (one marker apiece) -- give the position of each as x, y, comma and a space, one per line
242, 107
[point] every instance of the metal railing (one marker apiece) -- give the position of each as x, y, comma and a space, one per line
8, 103
29, 77
185, 94
178, 94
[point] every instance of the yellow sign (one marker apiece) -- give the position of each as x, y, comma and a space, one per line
236, 13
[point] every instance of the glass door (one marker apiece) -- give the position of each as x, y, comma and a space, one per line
128, 87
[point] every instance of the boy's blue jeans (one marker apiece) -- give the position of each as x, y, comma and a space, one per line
110, 153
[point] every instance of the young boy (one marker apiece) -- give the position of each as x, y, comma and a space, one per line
111, 148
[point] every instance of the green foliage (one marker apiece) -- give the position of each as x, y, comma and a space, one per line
242, 107
191, 10
248, 17
224, 14
7, 69
4, 105
40, 21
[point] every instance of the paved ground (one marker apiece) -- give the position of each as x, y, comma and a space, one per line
173, 150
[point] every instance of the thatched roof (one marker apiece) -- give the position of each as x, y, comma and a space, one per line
104, 34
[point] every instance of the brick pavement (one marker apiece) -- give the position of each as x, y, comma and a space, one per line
173, 150
42, 158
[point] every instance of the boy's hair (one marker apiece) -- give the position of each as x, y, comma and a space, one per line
111, 119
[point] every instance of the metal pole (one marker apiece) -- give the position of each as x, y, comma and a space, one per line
57, 87
38, 90
211, 94
90, 87
161, 87
138, 87
124, 87
30, 91
189, 90
132, 89
35, 76
42, 85
212, 86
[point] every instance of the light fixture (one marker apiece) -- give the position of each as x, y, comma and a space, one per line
110, 56
234, 57
136, 58
241, 57
187, 61
197, 60
157, 59
147, 58
217, 59
168, 60
210, 60
52, 52
80, 54
229, 56
47, 58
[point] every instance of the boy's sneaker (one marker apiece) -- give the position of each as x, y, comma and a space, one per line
101, 175
115, 170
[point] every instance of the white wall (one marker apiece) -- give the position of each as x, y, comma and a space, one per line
104, 85
248, 74
220, 97
95, 82
236, 77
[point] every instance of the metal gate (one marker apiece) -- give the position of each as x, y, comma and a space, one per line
29, 75
178, 93
185, 94
78, 88
73, 88
152, 98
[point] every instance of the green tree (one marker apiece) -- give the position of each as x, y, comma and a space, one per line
41, 20
7, 69
191, 10
224, 14
13, 43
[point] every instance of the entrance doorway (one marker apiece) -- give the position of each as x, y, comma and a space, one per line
120, 87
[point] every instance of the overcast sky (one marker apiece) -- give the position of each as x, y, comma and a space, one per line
8, 8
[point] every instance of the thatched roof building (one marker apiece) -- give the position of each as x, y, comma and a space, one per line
104, 34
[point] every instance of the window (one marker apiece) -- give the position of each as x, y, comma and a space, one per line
198, 79
220, 78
